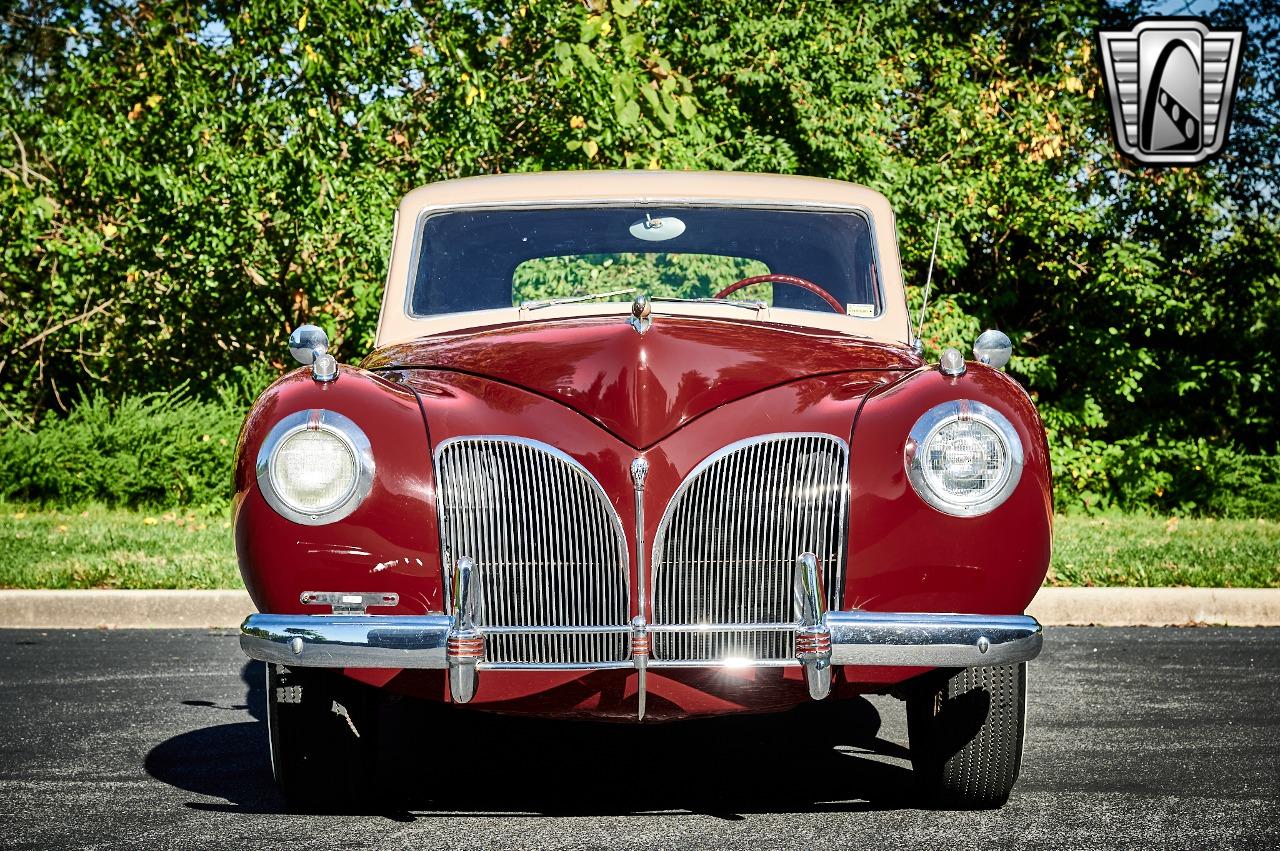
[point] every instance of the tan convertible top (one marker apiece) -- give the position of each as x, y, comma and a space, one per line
640, 187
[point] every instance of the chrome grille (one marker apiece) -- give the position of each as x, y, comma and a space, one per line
548, 547
726, 549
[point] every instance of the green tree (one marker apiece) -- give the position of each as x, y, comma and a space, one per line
183, 182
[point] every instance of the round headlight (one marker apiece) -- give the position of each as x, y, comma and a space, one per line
315, 467
964, 458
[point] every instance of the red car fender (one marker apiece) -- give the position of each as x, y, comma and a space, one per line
904, 555
389, 543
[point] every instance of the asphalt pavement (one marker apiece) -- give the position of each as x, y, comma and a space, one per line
155, 739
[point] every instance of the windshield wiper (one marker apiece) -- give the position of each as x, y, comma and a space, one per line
732, 302
538, 305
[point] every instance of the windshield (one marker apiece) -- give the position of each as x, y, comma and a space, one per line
486, 259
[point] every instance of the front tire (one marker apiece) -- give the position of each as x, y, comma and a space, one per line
966, 731
323, 731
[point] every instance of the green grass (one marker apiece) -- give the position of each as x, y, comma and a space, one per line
96, 547
1136, 550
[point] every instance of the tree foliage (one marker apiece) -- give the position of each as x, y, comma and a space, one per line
657, 274
183, 181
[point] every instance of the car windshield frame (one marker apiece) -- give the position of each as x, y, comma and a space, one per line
878, 290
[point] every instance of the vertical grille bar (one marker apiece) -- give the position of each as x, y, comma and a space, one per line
548, 546
728, 542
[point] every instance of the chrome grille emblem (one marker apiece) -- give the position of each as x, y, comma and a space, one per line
726, 549
549, 551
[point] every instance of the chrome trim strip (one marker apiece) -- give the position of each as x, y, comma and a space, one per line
566, 629
344, 429
640, 643
557, 666
640, 639
639, 475
724, 663
722, 627
857, 638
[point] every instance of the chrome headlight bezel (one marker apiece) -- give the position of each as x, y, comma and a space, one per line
335, 424
930, 424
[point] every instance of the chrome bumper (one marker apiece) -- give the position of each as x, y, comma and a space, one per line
456, 642
348, 641
856, 638
933, 640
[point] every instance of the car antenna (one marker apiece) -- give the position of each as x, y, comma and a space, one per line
928, 283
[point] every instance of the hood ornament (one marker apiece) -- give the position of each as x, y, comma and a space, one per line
641, 312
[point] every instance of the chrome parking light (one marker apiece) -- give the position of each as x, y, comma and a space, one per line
324, 368
951, 363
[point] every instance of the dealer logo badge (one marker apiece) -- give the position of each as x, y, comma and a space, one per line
1170, 83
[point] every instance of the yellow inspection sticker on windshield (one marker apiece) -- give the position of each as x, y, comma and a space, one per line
865, 311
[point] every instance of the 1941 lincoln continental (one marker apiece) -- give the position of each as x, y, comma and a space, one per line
645, 446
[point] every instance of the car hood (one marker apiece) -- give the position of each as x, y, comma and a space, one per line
642, 387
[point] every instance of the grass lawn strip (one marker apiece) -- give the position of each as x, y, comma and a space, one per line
1138, 551
98, 547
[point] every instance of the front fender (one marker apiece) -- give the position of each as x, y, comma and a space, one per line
905, 555
390, 543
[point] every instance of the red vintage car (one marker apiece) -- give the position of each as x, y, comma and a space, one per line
643, 446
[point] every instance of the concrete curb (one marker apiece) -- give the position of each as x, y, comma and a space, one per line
1156, 606
123, 609
226, 609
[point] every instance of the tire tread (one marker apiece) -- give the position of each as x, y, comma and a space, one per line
958, 765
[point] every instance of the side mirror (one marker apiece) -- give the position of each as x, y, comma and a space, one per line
993, 348
307, 343
309, 346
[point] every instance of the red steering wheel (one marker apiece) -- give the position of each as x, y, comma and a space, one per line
790, 280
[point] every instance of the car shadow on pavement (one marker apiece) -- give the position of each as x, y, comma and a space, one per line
819, 757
